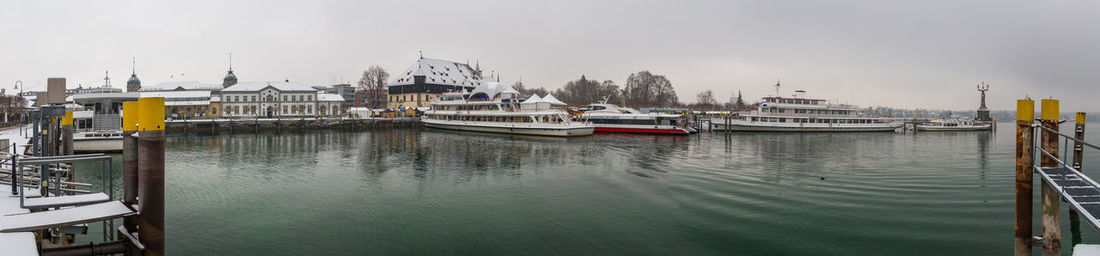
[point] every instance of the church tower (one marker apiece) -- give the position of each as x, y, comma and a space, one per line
134, 84
230, 79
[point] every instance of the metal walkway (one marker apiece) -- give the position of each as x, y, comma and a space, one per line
1081, 192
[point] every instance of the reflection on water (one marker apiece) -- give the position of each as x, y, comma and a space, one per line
444, 192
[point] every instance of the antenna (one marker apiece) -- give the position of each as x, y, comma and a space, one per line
106, 80
133, 65
230, 61
777, 88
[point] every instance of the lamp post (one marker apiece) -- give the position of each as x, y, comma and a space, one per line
19, 85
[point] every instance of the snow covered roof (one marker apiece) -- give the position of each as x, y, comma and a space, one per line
329, 97
181, 98
533, 99
256, 86
181, 86
553, 101
437, 71
175, 94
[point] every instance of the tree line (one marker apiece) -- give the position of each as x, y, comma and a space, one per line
642, 89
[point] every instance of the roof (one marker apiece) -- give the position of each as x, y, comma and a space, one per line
329, 97
494, 90
176, 94
256, 86
183, 85
437, 71
91, 97
553, 101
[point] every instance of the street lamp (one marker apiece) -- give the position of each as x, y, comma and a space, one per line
19, 85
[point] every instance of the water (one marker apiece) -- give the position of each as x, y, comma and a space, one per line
430, 192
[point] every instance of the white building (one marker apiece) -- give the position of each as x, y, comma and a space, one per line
270, 99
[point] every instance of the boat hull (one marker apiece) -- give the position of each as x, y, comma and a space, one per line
671, 131
572, 131
758, 127
953, 128
108, 144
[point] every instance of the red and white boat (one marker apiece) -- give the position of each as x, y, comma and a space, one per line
612, 118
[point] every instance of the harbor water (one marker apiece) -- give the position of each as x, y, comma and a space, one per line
432, 192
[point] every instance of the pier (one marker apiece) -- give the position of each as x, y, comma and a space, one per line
248, 124
47, 207
1061, 178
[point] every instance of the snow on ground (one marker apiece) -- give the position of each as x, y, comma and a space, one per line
12, 134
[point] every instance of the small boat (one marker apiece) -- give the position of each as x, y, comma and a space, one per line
612, 118
953, 125
497, 108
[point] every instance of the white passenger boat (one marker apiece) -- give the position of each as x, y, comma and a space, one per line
953, 125
493, 107
801, 114
612, 118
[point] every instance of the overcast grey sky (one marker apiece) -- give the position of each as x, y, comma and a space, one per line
927, 54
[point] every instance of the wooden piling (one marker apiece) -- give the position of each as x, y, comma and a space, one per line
151, 175
1051, 199
131, 111
1025, 115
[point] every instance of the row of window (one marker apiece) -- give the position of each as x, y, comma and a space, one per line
633, 121
472, 107
503, 119
809, 111
818, 121
795, 101
238, 98
404, 98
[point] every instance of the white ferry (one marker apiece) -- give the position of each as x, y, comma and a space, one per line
801, 114
612, 118
953, 125
493, 107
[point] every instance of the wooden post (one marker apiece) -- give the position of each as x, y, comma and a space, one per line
151, 175
130, 165
1025, 115
1051, 199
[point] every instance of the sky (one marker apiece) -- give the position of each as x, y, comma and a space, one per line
904, 54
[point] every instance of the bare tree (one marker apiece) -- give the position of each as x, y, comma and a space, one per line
706, 99
585, 91
374, 83
12, 104
522, 89
645, 89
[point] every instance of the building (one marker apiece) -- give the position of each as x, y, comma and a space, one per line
346, 91
183, 104
429, 78
268, 99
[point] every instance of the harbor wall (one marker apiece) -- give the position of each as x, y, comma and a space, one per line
291, 123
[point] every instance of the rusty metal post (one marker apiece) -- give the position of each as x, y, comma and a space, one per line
151, 175
1079, 134
130, 162
1051, 199
1025, 116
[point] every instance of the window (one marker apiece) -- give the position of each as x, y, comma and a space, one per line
253, 97
284, 99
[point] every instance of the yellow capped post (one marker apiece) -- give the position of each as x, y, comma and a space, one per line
1025, 110
131, 111
1050, 109
68, 119
151, 115
1080, 117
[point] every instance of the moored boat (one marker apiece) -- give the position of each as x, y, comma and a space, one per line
99, 127
953, 125
496, 108
801, 114
614, 119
